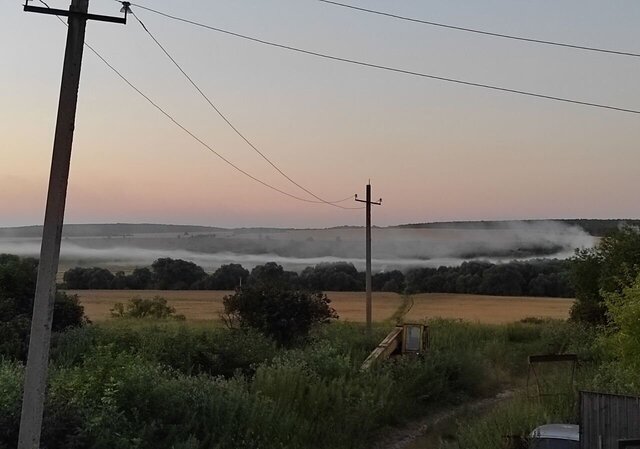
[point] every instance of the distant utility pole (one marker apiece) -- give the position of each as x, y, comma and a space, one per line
38, 359
368, 275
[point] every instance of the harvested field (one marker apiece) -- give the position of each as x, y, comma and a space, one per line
198, 305
351, 305
487, 309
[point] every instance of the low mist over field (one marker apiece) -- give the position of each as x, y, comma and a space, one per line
401, 247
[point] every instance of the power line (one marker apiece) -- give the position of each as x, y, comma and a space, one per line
389, 68
234, 128
487, 33
183, 128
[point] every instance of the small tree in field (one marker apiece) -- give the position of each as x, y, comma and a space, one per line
283, 313
145, 308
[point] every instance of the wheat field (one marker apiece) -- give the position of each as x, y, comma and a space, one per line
199, 305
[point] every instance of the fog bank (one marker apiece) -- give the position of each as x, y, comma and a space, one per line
295, 249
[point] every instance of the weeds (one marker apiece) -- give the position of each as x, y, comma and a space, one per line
174, 385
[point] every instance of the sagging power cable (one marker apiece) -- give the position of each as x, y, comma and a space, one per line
182, 127
390, 68
486, 33
231, 125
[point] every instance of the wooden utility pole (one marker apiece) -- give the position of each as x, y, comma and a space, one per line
368, 256
39, 341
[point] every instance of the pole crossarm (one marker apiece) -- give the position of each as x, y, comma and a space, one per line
71, 12
375, 203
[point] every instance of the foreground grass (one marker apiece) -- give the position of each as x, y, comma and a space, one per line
176, 385
518, 416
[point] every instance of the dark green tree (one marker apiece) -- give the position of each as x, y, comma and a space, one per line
176, 274
271, 273
140, 279
88, 278
17, 290
337, 276
228, 277
608, 268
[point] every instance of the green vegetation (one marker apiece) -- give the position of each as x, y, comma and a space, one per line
283, 379
168, 384
551, 278
156, 308
284, 314
620, 342
17, 287
604, 270
607, 281
535, 278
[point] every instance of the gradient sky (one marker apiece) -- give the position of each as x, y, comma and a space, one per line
433, 151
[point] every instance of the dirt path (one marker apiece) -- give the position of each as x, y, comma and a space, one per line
425, 433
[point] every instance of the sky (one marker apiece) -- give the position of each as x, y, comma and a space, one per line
433, 151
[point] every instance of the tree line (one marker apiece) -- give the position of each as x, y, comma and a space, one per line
533, 278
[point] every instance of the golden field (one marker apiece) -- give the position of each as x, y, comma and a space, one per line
199, 305
486, 309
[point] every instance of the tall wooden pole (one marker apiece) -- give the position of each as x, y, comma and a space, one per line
368, 254
38, 359
40, 338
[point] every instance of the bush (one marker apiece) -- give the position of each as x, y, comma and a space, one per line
10, 402
606, 269
122, 401
622, 339
284, 314
145, 308
187, 348
17, 290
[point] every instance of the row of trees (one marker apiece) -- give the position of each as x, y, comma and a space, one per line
164, 274
535, 278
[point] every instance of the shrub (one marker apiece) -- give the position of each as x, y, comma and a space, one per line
10, 402
608, 268
183, 347
145, 308
284, 314
17, 290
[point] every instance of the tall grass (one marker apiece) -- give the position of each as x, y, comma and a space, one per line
516, 418
179, 386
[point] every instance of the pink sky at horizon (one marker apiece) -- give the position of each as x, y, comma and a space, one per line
433, 151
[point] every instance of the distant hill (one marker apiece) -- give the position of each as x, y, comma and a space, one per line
113, 229
594, 227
